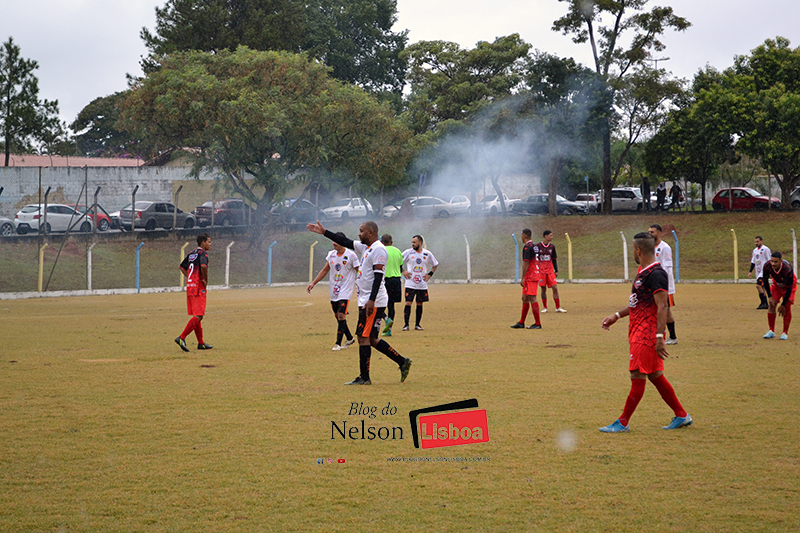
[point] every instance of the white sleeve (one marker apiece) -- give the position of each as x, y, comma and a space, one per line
432, 259
380, 257
354, 261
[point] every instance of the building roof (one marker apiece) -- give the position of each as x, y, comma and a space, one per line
30, 160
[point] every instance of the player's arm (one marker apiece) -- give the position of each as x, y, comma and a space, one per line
662, 304
184, 270
377, 272
788, 282
429, 275
322, 273
338, 239
752, 267
204, 274
765, 282
403, 272
525, 264
610, 320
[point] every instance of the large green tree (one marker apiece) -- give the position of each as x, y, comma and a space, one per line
25, 120
97, 133
622, 34
353, 37
261, 121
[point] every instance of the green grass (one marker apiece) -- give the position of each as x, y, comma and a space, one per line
108, 426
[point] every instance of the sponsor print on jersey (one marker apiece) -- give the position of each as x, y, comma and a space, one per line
192, 257
338, 277
417, 279
633, 300
338, 267
337, 289
418, 269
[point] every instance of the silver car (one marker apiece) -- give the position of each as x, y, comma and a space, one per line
152, 215
6, 226
57, 218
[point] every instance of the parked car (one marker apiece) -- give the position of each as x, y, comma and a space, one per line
293, 211
795, 198
392, 208
490, 205
430, 206
59, 217
103, 219
152, 215
227, 212
6, 226
590, 200
538, 204
460, 204
626, 199
348, 208
744, 198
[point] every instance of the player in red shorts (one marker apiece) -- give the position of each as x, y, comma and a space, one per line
529, 281
195, 268
783, 288
647, 307
548, 270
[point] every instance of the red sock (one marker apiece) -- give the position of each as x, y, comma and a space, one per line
193, 323
668, 394
558, 302
535, 307
198, 331
787, 319
544, 302
771, 321
525, 307
634, 397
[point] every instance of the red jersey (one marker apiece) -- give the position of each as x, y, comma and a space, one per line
192, 263
642, 305
784, 280
547, 254
530, 253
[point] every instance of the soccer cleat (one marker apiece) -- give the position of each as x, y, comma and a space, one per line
679, 422
561, 310
182, 343
349, 343
387, 326
203, 346
359, 381
535, 326
518, 325
336, 348
784, 337
544, 310
418, 328
770, 335
405, 328
672, 341
763, 306
404, 368
387, 333
614, 427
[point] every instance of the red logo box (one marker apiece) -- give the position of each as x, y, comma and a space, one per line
453, 429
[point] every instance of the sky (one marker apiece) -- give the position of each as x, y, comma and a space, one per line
85, 48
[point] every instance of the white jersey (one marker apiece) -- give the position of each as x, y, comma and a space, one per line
372, 255
344, 269
664, 256
760, 258
419, 264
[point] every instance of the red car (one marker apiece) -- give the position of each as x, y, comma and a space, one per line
744, 199
103, 221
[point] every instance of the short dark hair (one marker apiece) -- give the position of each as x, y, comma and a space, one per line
340, 234
421, 240
527, 232
777, 254
656, 226
645, 242
203, 237
759, 237
386, 239
546, 233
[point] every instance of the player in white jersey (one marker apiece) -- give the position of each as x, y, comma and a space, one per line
761, 256
664, 256
372, 297
418, 267
342, 265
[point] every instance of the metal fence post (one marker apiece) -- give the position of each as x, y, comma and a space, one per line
269, 263
677, 259
469, 262
569, 255
516, 258
89, 267
180, 259
41, 265
735, 257
311, 262
137, 266
228, 264
624, 253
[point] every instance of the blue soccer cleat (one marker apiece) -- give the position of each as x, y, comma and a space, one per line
679, 422
784, 337
770, 335
615, 427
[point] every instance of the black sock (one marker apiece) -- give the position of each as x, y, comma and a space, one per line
390, 352
419, 314
407, 314
364, 354
343, 329
391, 311
339, 335
671, 328
763, 298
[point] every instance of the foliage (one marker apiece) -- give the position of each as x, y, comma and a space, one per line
25, 121
353, 37
98, 134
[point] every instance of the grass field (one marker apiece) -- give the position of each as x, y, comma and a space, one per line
108, 426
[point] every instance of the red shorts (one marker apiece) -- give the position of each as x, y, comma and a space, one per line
778, 294
529, 287
547, 279
645, 359
196, 304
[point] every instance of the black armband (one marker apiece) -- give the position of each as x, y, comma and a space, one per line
376, 284
555, 264
430, 273
752, 266
338, 239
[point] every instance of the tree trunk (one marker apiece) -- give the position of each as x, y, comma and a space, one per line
496, 184
608, 184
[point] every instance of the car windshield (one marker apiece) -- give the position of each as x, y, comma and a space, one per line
637, 192
560, 198
29, 209
488, 199
752, 192
341, 203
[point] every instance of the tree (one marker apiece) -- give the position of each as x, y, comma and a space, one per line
98, 135
613, 61
261, 121
26, 120
353, 37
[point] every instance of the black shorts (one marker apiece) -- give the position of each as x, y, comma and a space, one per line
421, 295
370, 326
340, 306
760, 282
394, 288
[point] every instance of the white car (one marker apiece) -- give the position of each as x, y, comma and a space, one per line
392, 209
348, 208
490, 205
58, 217
430, 206
6, 226
591, 201
460, 205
